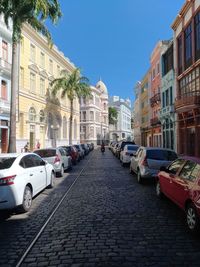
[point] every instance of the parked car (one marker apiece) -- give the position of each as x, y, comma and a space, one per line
22, 176
85, 148
114, 149
57, 157
180, 182
80, 151
127, 153
148, 160
121, 147
72, 152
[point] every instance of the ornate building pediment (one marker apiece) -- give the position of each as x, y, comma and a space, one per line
44, 74
34, 68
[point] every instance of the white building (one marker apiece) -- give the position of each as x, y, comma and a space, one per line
94, 116
5, 82
122, 129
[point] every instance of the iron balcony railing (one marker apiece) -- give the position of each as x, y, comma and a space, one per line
188, 99
155, 99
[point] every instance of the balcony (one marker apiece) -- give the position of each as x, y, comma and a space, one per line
155, 99
188, 101
166, 110
155, 121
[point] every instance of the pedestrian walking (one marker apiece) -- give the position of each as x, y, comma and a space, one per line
26, 147
38, 145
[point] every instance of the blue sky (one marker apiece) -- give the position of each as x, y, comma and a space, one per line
113, 39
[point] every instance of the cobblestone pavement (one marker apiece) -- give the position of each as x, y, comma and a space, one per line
17, 230
108, 219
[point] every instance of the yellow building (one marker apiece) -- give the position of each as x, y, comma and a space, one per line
39, 117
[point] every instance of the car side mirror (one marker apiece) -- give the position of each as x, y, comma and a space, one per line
43, 163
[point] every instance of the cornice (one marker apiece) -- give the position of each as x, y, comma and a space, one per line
182, 13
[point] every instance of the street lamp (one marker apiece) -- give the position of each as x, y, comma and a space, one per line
54, 129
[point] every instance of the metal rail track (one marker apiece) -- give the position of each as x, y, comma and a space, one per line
22, 258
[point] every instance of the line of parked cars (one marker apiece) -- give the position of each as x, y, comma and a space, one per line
24, 175
178, 178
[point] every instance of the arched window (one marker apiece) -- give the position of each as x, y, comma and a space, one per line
42, 117
32, 114
104, 106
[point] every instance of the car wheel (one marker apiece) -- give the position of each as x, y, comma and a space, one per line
27, 199
62, 171
139, 178
52, 183
159, 193
192, 219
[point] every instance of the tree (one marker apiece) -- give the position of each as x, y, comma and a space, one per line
71, 85
112, 115
33, 12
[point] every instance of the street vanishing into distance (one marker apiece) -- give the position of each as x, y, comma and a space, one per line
105, 219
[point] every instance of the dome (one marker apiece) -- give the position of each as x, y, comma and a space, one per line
100, 85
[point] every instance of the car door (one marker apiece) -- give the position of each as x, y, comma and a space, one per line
182, 183
136, 159
167, 177
64, 157
36, 172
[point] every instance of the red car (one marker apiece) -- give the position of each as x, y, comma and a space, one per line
72, 151
180, 182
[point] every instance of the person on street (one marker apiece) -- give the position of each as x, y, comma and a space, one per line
102, 147
26, 147
38, 145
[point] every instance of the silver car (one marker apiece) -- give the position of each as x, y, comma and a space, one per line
57, 157
127, 153
148, 160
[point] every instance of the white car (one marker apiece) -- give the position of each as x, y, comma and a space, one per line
22, 176
128, 152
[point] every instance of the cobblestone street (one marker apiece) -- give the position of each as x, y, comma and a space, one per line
107, 219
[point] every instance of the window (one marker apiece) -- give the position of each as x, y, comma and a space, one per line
42, 117
6, 163
27, 162
32, 115
42, 60
180, 52
197, 35
58, 70
5, 50
158, 154
75, 129
32, 53
91, 115
167, 97
188, 46
32, 82
158, 68
92, 132
187, 169
51, 66
42, 86
84, 115
153, 74
22, 77
64, 127
4, 93
171, 96
168, 60
175, 166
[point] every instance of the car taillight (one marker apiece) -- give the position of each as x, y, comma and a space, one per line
57, 159
144, 162
9, 180
127, 154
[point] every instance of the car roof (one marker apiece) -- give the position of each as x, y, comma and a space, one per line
50, 148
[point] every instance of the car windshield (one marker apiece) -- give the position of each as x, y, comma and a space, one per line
158, 154
126, 143
134, 148
46, 153
6, 163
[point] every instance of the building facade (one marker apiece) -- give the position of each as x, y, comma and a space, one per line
187, 73
42, 117
94, 116
122, 129
144, 110
155, 94
5, 82
167, 114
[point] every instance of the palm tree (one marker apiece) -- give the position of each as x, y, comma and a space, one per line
34, 12
112, 113
71, 85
